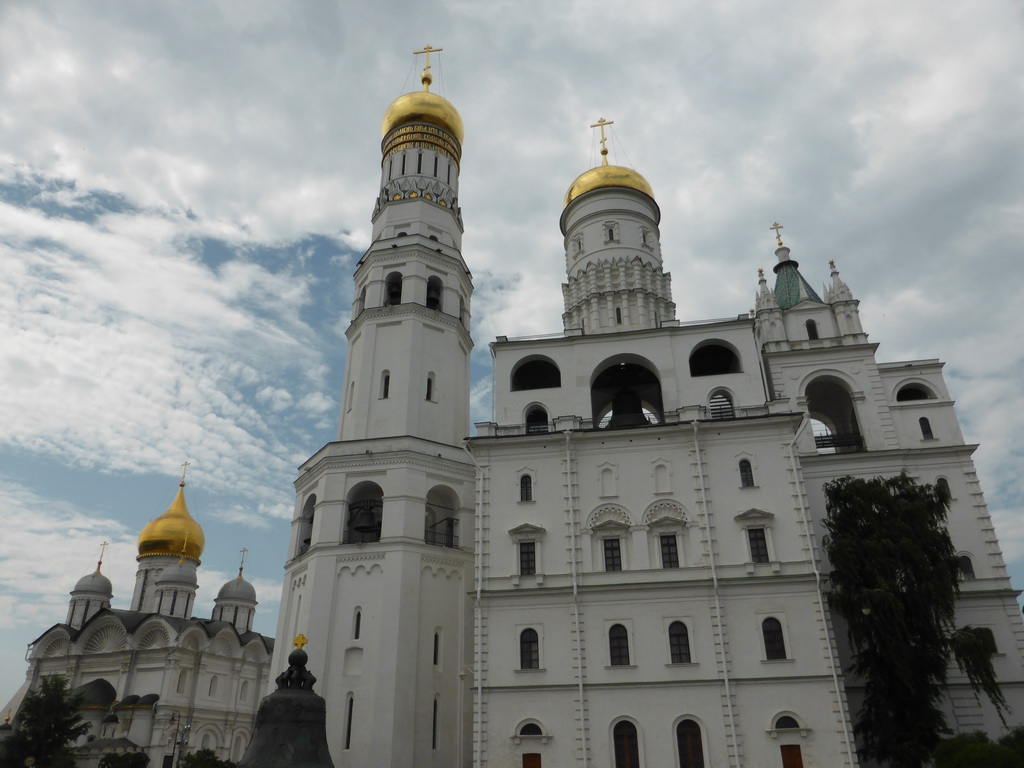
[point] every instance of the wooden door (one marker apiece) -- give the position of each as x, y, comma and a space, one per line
531, 761
791, 757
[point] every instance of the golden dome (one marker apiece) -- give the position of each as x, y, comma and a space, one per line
422, 107
605, 176
173, 533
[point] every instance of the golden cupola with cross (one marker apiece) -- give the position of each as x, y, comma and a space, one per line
173, 533
613, 251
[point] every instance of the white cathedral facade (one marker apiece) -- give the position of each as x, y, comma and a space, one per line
623, 569
154, 678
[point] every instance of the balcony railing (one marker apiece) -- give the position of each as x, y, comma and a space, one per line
829, 444
442, 534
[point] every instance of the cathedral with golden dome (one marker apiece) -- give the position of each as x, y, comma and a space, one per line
623, 567
154, 677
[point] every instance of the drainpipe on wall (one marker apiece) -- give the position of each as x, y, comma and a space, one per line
818, 588
714, 583
478, 557
575, 593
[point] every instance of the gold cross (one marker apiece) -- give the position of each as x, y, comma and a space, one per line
832, 263
601, 123
103, 550
300, 641
184, 468
243, 550
426, 78
776, 226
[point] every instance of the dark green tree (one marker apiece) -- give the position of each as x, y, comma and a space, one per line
48, 724
205, 758
125, 760
895, 578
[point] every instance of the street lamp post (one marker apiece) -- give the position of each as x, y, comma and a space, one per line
176, 719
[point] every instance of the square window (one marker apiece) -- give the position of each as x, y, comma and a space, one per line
669, 551
758, 545
527, 558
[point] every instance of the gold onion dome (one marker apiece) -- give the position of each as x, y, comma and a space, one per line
422, 107
173, 533
607, 176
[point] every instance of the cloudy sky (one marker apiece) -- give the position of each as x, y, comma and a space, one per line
185, 189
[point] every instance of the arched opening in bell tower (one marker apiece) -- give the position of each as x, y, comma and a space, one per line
833, 416
626, 393
434, 289
441, 517
305, 536
393, 289
365, 514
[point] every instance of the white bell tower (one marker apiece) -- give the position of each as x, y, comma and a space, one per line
380, 559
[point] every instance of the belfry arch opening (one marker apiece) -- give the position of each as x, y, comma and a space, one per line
536, 373
440, 522
833, 416
434, 289
365, 514
714, 359
393, 289
305, 537
626, 393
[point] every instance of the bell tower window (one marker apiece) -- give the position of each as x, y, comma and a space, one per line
393, 289
434, 288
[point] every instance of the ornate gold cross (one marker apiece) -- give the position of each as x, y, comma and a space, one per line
184, 468
776, 226
426, 78
601, 123
300, 641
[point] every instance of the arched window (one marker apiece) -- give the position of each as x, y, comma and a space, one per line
530, 729
618, 316
942, 484
361, 302
812, 329
966, 567
626, 394
207, 741
536, 421
627, 747
926, 429
618, 646
213, 687
721, 406
305, 537
785, 722
774, 642
529, 649
714, 360
746, 474
434, 293
526, 488
357, 624
679, 643
437, 648
433, 728
182, 681
914, 392
365, 514
691, 750
348, 721
244, 693
441, 519
833, 417
393, 288
238, 750
385, 385
536, 374
430, 386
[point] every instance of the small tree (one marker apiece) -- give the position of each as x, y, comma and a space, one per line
895, 578
48, 724
125, 760
205, 758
